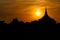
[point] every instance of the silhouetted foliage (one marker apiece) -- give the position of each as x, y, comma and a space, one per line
46, 24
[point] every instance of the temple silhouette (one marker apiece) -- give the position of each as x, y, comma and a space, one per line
46, 24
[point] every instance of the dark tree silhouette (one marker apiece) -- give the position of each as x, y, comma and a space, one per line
46, 24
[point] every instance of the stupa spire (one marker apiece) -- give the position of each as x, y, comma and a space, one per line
45, 10
46, 14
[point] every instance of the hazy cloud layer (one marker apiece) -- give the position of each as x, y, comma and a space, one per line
9, 8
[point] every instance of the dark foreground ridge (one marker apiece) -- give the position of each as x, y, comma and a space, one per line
46, 24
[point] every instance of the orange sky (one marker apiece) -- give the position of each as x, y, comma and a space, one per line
10, 9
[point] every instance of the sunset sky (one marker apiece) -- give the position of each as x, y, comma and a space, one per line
25, 10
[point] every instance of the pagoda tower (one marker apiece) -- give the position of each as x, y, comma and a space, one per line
46, 19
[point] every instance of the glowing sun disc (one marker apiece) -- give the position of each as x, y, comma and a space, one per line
38, 13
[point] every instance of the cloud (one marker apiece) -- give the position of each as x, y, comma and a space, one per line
9, 8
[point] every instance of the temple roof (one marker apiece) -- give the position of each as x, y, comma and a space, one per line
46, 15
46, 18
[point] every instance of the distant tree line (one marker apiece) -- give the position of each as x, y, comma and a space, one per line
35, 26
46, 24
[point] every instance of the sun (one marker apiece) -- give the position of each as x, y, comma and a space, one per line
38, 13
